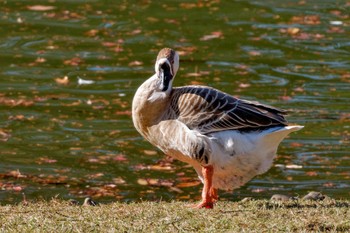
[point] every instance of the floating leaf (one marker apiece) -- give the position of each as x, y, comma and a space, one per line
45, 160
293, 30
17, 188
150, 152
119, 180
306, 19
75, 61
213, 35
311, 173
293, 166
125, 113
136, 63
62, 81
120, 158
84, 81
40, 8
4, 136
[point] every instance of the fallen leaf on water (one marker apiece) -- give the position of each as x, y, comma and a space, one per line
135, 32
311, 173
84, 81
15, 174
4, 136
254, 53
194, 82
15, 102
150, 152
40, 60
160, 167
306, 19
139, 167
299, 89
45, 160
296, 144
197, 74
329, 185
136, 63
40, 8
285, 97
123, 113
17, 188
92, 32
244, 85
336, 23
336, 29
119, 180
62, 81
96, 175
258, 190
213, 35
188, 5
21, 118
75, 61
120, 158
293, 30
294, 166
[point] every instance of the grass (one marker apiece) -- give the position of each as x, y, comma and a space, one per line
250, 216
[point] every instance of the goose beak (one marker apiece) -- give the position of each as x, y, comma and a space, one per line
165, 76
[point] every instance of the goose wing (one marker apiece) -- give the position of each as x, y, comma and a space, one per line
209, 110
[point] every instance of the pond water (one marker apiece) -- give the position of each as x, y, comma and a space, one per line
69, 70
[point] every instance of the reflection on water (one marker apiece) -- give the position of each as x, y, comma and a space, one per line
78, 140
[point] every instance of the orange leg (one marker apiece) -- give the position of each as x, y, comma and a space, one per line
214, 194
209, 194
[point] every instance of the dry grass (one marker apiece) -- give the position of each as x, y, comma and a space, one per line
251, 216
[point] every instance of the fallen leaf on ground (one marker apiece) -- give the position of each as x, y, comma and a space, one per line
155, 182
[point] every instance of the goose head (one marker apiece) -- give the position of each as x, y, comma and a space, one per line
166, 67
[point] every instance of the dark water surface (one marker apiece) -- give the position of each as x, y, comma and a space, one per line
59, 137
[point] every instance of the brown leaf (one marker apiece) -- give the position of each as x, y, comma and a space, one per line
160, 167
17, 188
213, 35
293, 30
75, 61
311, 173
186, 184
45, 160
136, 63
150, 152
306, 19
4, 136
120, 158
155, 182
62, 81
119, 180
123, 113
16, 174
92, 32
254, 53
40, 8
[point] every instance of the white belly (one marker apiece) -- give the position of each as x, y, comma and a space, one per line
238, 157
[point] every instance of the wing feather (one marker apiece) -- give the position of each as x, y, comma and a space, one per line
209, 110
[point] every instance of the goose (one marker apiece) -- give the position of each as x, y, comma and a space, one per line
227, 140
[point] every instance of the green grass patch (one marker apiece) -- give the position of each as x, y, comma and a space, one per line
249, 216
